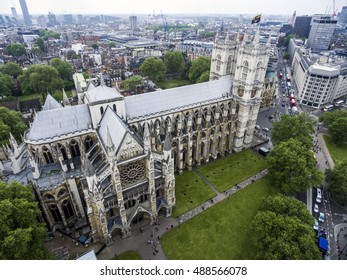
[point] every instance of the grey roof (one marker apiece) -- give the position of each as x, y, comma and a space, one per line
112, 126
57, 122
51, 103
155, 102
101, 93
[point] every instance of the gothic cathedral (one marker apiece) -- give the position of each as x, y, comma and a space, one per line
107, 165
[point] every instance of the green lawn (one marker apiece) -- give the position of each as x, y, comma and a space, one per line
191, 191
172, 83
222, 232
229, 171
58, 95
337, 152
128, 255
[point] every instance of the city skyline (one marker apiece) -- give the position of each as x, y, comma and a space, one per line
282, 7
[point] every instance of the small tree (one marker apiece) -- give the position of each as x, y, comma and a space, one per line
12, 69
11, 121
6, 85
293, 127
132, 82
16, 49
174, 62
293, 168
21, 235
40, 79
64, 68
154, 68
337, 181
199, 66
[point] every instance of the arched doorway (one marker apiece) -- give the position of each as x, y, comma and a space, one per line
140, 219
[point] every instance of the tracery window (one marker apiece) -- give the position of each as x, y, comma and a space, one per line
47, 155
62, 150
132, 173
74, 149
67, 208
88, 143
55, 213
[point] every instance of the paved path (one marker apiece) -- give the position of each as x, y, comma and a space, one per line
147, 243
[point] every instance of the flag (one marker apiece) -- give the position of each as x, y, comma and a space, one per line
256, 19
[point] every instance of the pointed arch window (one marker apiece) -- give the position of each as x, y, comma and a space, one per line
74, 149
228, 71
47, 155
55, 213
62, 151
101, 110
245, 71
114, 108
218, 63
67, 208
257, 72
88, 142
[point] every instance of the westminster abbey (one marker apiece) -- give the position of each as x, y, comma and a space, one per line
108, 164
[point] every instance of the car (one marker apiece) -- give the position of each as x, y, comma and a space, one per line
318, 199
265, 129
315, 225
319, 192
316, 208
283, 104
321, 217
257, 127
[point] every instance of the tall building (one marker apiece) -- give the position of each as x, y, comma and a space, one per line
113, 170
342, 16
68, 18
14, 13
52, 20
293, 19
42, 21
26, 16
321, 33
133, 22
318, 79
302, 26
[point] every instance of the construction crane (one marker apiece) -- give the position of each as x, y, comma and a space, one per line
334, 10
165, 26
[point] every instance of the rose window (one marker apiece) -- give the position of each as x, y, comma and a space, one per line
132, 173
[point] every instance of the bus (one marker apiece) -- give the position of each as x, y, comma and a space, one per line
328, 108
338, 103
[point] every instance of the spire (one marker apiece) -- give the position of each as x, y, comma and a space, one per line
50, 103
66, 101
12, 139
146, 138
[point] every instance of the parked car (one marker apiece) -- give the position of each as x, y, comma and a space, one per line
318, 199
265, 129
257, 127
315, 225
321, 217
316, 208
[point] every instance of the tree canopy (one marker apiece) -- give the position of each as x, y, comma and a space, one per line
21, 235
174, 62
12, 69
16, 49
199, 66
154, 68
131, 82
6, 85
40, 79
64, 68
11, 121
283, 230
293, 127
336, 122
292, 167
41, 44
337, 182
47, 34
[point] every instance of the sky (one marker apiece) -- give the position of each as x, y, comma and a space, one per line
285, 7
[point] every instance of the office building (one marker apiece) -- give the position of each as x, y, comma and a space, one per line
14, 13
302, 26
133, 22
26, 16
321, 33
52, 20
